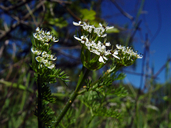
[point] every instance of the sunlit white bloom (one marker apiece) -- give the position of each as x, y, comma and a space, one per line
100, 32
35, 35
100, 25
77, 24
83, 39
101, 59
51, 57
108, 52
46, 44
49, 65
120, 47
54, 58
36, 52
107, 44
114, 54
88, 27
104, 35
139, 56
79, 39
44, 36
96, 46
48, 33
44, 61
55, 40
129, 51
39, 59
37, 29
44, 54
109, 27
44, 58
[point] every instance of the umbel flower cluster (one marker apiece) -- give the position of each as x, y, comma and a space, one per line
41, 48
127, 55
93, 39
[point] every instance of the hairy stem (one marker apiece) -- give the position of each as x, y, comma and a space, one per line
40, 124
82, 77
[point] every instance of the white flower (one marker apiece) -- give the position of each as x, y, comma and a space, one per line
43, 35
55, 40
44, 61
48, 33
104, 35
51, 66
87, 27
129, 51
35, 35
100, 32
120, 47
79, 39
44, 54
115, 53
109, 27
108, 52
77, 24
83, 39
46, 44
107, 44
36, 52
101, 59
37, 29
39, 59
139, 56
51, 57
48, 38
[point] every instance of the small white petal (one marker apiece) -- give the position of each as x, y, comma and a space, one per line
77, 24
51, 66
33, 50
35, 35
104, 35
39, 59
44, 54
45, 61
36, 52
46, 44
109, 27
101, 59
48, 33
105, 58
107, 44
139, 56
77, 38
116, 52
116, 56
37, 29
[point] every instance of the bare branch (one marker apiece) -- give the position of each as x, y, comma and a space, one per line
122, 11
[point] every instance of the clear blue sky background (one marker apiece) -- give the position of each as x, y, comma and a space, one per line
160, 47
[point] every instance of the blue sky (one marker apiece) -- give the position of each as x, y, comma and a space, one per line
160, 47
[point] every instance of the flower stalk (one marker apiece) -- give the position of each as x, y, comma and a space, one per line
81, 80
40, 124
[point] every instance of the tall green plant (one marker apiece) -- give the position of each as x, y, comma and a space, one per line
95, 53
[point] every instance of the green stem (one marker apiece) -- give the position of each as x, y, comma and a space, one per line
93, 86
82, 77
40, 125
